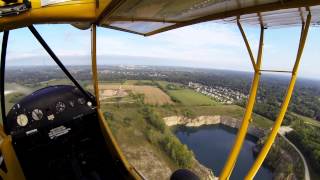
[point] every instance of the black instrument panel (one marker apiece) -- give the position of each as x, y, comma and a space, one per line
49, 106
56, 135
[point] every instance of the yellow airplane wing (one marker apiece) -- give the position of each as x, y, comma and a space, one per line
79, 12
148, 17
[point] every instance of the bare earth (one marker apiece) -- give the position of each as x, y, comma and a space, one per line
153, 167
147, 162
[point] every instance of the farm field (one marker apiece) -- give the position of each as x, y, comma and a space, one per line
152, 95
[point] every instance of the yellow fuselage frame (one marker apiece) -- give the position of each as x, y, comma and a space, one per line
90, 12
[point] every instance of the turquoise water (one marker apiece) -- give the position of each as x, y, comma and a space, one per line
211, 146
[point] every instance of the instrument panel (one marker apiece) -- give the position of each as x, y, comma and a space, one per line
48, 106
56, 134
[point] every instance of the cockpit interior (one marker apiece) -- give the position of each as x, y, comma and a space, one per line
56, 135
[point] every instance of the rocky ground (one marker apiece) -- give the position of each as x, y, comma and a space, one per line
153, 167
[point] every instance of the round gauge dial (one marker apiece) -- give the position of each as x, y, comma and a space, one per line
60, 106
81, 101
22, 120
71, 103
89, 103
37, 114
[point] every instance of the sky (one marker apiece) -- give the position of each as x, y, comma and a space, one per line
205, 45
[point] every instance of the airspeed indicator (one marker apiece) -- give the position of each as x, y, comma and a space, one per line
22, 120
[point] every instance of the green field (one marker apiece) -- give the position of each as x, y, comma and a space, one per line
185, 95
190, 98
308, 120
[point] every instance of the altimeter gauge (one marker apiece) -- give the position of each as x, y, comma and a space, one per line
22, 120
37, 114
60, 106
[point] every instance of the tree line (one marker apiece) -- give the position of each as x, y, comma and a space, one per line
307, 139
161, 135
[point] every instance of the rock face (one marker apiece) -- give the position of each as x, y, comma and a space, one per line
199, 121
211, 120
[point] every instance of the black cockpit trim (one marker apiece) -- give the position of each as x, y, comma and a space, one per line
2, 77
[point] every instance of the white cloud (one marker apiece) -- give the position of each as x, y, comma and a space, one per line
207, 34
199, 43
206, 45
203, 45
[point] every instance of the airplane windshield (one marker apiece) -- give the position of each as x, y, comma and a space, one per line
176, 100
29, 67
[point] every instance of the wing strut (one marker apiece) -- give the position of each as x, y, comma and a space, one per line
230, 163
111, 141
2, 77
263, 153
59, 63
94, 63
227, 170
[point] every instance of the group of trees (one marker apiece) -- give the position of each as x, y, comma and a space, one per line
159, 134
307, 138
270, 110
153, 119
177, 151
166, 90
305, 99
283, 166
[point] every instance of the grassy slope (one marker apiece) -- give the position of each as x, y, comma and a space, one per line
134, 143
308, 120
132, 133
131, 138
